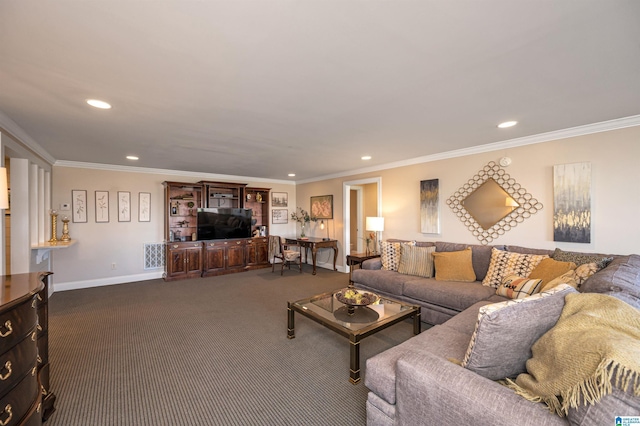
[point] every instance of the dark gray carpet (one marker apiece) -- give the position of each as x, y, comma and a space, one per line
210, 351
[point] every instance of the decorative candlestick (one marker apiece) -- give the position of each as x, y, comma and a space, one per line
54, 226
65, 229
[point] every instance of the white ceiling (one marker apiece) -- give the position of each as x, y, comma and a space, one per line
265, 88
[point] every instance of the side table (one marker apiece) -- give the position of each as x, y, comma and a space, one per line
357, 259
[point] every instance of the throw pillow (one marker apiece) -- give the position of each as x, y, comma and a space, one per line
581, 258
568, 277
501, 343
390, 255
454, 266
416, 260
515, 287
504, 263
550, 269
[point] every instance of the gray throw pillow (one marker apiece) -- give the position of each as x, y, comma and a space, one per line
501, 343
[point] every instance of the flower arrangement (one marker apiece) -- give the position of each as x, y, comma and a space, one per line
302, 217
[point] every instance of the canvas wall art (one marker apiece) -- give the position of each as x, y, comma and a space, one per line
429, 206
572, 202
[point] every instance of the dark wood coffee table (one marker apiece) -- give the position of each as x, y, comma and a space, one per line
365, 321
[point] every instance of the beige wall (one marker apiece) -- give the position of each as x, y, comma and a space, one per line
88, 262
615, 160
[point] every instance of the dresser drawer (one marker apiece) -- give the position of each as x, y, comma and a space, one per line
15, 363
17, 323
15, 406
34, 417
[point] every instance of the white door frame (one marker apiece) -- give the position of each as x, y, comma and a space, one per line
346, 194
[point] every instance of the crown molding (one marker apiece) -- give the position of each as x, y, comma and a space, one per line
21, 137
604, 126
198, 175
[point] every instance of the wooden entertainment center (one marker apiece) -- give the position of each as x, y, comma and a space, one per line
189, 256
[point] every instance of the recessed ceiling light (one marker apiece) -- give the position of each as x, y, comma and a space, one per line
132, 157
98, 104
507, 124
366, 157
292, 174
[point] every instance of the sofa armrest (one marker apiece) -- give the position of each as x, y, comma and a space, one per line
431, 390
374, 263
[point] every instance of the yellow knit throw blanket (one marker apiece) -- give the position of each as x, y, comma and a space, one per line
594, 345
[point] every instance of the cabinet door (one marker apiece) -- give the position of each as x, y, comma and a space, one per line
214, 257
250, 253
235, 254
262, 251
194, 260
176, 261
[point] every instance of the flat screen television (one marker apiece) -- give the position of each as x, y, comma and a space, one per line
221, 223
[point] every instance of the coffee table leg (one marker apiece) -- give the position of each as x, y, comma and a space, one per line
354, 373
291, 334
417, 325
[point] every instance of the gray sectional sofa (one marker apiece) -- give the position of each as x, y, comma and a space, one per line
420, 381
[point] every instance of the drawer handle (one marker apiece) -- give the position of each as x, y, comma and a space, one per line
43, 390
33, 336
39, 408
9, 411
39, 297
7, 366
39, 360
33, 303
9, 328
238, 242
175, 246
39, 327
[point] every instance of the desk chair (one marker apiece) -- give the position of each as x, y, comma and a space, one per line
287, 256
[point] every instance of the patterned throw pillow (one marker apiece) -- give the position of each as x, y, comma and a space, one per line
504, 263
574, 278
454, 266
515, 287
501, 343
416, 260
581, 258
390, 255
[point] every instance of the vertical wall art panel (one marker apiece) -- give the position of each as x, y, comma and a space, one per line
429, 206
572, 202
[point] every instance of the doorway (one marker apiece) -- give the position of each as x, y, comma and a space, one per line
362, 198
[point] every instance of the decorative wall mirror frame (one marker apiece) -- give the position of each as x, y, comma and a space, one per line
468, 205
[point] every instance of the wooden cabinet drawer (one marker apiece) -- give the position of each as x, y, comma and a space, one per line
16, 362
17, 323
15, 405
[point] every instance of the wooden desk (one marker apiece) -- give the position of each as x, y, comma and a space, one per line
314, 244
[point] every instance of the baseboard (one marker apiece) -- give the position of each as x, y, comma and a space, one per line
75, 285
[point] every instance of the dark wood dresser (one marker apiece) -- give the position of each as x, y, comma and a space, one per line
25, 396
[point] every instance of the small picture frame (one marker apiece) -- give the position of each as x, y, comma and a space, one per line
279, 199
124, 206
279, 216
144, 207
79, 205
322, 207
102, 206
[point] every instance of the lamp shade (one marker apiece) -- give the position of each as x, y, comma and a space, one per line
4, 190
374, 223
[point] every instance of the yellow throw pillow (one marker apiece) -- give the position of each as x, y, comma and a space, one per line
454, 265
568, 277
550, 269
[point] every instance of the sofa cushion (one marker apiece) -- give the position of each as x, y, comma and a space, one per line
516, 287
390, 255
548, 269
415, 260
380, 375
504, 263
454, 266
388, 281
528, 250
615, 404
465, 321
620, 279
481, 255
454, 295
581, 258
505, 332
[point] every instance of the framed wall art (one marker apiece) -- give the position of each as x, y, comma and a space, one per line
144, 207
322, 207
430, 206
572, 203
279, 216
102, 206
124, 206
79, 205
279, 199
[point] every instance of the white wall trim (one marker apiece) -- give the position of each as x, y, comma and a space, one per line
13, 129
198, 175
76, 285
605, 126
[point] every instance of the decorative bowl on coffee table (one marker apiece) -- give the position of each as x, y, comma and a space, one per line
353, 298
